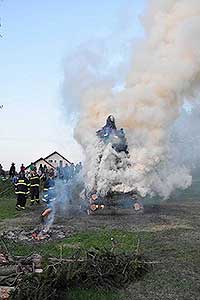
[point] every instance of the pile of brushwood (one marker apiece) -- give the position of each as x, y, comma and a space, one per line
97, 269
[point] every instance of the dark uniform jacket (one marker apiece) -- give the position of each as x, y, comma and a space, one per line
22, 186
35, 180
49, 193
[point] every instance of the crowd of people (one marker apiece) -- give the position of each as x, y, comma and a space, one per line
33, 181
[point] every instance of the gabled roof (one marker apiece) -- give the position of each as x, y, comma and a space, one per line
45, 159
41, 158
55, 152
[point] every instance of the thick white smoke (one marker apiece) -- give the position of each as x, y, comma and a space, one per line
165, 71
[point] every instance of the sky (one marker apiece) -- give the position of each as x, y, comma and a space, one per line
37, 37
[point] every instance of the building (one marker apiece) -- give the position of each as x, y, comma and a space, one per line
53, 160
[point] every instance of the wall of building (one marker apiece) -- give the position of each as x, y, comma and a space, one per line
56, 160
43, 162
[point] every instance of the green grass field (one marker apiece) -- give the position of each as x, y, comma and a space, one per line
169, 238
8, 210
125, 241
7, 200
66, 247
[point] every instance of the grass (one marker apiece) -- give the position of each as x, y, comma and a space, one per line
7, 200
176, 272
88, 294
125, 241
6, 187
176, 276
8, 210
161, 244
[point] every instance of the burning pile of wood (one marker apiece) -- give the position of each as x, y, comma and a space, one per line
40, 235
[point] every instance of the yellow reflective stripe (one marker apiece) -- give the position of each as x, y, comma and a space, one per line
23, 193
19, 183
45, 189
35, 184
36, 177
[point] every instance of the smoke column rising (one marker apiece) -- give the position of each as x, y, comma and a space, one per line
165, 70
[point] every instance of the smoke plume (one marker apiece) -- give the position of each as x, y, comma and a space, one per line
163, 73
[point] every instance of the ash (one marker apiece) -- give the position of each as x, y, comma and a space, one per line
56, 232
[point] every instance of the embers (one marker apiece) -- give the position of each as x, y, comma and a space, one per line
40, 235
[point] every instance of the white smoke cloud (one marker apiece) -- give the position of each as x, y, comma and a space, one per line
165, 70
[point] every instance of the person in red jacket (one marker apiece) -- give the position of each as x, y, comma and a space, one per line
22, 168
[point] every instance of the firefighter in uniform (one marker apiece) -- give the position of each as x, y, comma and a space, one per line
49, 197
21, 190
35, 187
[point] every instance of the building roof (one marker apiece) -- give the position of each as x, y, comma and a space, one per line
41, 158
55, 152
47, 157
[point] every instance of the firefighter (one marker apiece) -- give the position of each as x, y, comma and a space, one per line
49, 196
35, 187
21, 190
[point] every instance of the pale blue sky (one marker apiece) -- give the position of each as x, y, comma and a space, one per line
37, 37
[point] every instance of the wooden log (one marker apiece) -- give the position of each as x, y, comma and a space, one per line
5, 291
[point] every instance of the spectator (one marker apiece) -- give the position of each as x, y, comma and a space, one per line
78, 167
71, 170
27, 174
12, 171
2, 172
66, 172
32, 167
22, 168
45, 169
14, 179
1, 169
41, 170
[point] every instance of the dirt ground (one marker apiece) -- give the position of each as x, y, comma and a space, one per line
169, 235
156, 218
